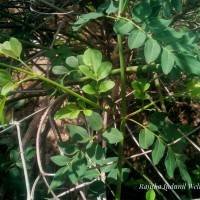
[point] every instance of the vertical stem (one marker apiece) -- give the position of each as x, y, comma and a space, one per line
123, 108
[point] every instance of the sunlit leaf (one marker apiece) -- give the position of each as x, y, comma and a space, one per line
150, 195
123, 26
60, 160
146, 138
151, 50
167, 61
136, 39
106, 86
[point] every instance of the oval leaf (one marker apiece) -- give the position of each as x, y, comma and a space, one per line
92, 58
150, 195
106, 86
60, 160
59, 70
104, 70
72, 61
123, 26
158, 152
95, 121
136, 39
151, 50
167, 61
87, 71
170, 163
112, 136
146, 138
78, 133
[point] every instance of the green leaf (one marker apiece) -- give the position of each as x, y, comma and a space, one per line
151, 50
106, 86
14, 156
150, 195
14, 172
60, 160
5, 78
91, 174
158, 151
92, 58
112, 136
60, 70
78, 133
87, 112
112, 8
142, 10
95, 152
104, 70
112, 176
66, 113
7, 88
2, 114
96, 189
109, 164
95, 121
89, 89
84, 19
146, 138
167, 61
188, 63
170, 163
72, 61
184, 173
123, 27
72, 175
177, 4
59, 178
15, 46
136, 39
87, 72
68, 148
158, 24
79, 164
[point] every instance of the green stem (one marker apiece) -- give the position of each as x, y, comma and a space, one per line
62, 87
123, 108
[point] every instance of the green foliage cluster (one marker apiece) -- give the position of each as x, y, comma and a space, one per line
150, 29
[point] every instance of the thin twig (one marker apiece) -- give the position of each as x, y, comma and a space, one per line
17, 124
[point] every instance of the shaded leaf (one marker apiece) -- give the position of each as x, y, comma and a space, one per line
96, 189
184, 172
60, 70
95, 152
78, 133
95, 121
68, 148
158, 151
72, 61
91, 174
188, 63
5, 78
112, 136
170, 163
